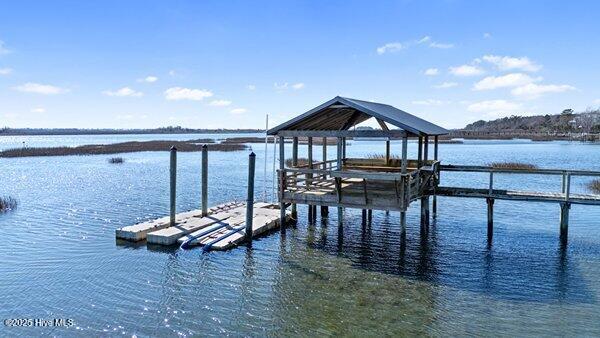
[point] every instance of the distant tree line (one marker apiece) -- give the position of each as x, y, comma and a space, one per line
587, 121
108, 131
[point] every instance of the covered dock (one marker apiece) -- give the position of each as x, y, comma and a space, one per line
381, 184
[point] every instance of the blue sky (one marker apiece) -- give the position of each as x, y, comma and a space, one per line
211, 64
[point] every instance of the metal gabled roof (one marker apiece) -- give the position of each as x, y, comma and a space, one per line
342, 113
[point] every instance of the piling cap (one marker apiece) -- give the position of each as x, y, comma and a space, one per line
173, 148
252, 154
204, 146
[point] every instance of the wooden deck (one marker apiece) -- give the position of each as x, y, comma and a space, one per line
222, 228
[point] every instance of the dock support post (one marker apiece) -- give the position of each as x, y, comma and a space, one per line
364, 217
204, 180
324, 208
564, 209
250, 198
173, 184
311, 209
490, 219
564, 221
436, 182
425, 198
294, 164
369, 216
403, 225
340, 145
281, 182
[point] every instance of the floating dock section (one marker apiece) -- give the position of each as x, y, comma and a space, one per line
222, 228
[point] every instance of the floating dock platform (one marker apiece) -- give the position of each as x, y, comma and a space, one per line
222, 228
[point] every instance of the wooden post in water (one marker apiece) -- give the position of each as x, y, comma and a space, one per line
340, 145
294, 164
364, 217
564, 209
250, 197
204, 180
369, 216
404, 182
425, 198
490, 219
435, 158
173, 184
311, 215
281, 182
324, 208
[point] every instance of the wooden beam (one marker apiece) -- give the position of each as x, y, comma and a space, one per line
404, 154
355, 116
383, 125
294, 164
343, 133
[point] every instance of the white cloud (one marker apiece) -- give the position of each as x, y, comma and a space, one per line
297, 86
3, 50
441, 45
532, 90
512, 63
172, 72
38, 110
251, 87
494, 107
125, 117
179, 93
504, 81
5, 71
466, 70
432, 71
38, 88
597, 101
446, 85
123, 92
220, 103
391, 47
425, 39
487, 35
281, 86
149, 79
430, 102
238, 110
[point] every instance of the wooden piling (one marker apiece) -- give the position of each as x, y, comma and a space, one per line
250, 197
294, 164
364, 217
311, 210
564, 209
490, 219
281, 182
435, 158
324, 208
564, 221
204, 180
173, 185
425, 199
387, 152
370, 216
340, 145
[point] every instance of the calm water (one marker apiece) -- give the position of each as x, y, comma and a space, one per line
59, 257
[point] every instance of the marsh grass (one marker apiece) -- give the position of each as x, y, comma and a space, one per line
594, 186
301, 161
7, 203
513, 165
125, 147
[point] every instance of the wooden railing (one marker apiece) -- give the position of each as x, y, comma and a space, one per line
565, 174
406, 187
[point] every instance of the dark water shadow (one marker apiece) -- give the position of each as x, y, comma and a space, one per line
531, 266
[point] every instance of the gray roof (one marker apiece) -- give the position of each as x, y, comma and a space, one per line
341, 113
